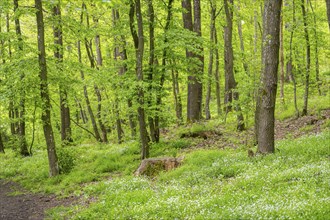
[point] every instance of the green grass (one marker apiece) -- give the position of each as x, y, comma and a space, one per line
293, 183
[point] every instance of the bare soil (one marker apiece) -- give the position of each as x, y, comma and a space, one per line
26, 205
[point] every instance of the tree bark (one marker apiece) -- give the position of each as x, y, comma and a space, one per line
317, 66
121, 71
154, 132
210, 66
66, 134
138, 38
44, 93
308, 58
88, 104
21, 115
2, 147
217, 75
177, 95
282, 60
268, 87
194, 102
230, 82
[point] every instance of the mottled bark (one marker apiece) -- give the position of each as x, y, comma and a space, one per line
194, 102
308, 58
282, 60
316, 48
66, 134
230, 82
121, 71
217, 75
44, 93
138, 38
268, 87
210, 66
2, 147
21, 115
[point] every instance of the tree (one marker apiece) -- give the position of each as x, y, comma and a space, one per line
44, 93
66, 134
2, 148
308, 58
21, 112
195, 89
230, 82
138, 38
268, 87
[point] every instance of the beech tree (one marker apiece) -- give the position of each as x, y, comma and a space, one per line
268, 87
44, 93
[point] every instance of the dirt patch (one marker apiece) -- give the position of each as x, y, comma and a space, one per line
26, 205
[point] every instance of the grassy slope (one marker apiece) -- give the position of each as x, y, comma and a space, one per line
211, 184
293, 183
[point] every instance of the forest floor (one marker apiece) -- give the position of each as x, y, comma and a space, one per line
17, 203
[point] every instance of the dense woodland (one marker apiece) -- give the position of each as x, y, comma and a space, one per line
233, 94
115, 71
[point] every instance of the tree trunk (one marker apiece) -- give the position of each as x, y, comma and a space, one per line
268, 87
152, 116
66, 134
2, 148
217, 75
282, 60
241, 41
44, 92
177, 96
121, 71
289, 64
89, 108
210, 66
317, 66
230, 82
194, 102
139, 47
88, 104
308, 58
21, 115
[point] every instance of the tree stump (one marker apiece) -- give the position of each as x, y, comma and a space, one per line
152, 166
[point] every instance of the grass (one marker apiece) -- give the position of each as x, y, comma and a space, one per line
293, 183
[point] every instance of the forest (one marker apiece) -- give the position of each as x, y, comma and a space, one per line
164, 109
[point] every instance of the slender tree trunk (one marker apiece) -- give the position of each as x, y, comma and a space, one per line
268, 87
194, 102
2, 148
308, 58
282, 60
44, 93
138, 38
21, 115
152, 116
177, 95
121, 71
88, 104
66, 134
217, 75
317, 66
241, 41
289, 64
210, 66
230, 83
